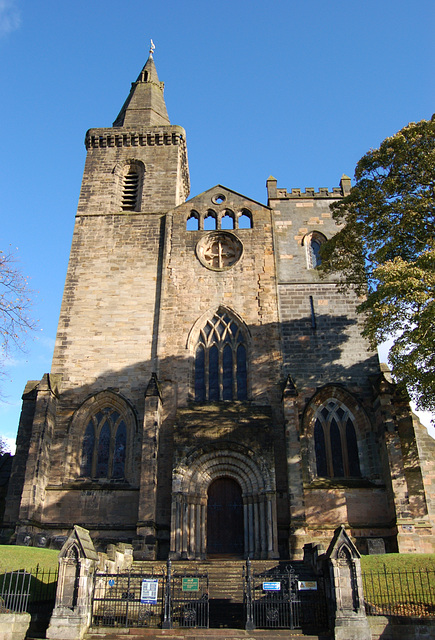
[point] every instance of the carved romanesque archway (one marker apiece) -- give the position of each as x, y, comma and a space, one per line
190, 483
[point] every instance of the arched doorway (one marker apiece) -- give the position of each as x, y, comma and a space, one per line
224, 518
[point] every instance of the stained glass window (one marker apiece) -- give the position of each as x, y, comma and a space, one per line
103, 452
87, 451
119, 451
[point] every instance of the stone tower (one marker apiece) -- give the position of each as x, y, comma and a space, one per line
209, 394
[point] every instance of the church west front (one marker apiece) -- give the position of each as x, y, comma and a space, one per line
210, 395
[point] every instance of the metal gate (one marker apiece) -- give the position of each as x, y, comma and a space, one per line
277, 599
157, 599
128, 599
189, 599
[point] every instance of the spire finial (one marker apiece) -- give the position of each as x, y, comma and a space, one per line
152, 47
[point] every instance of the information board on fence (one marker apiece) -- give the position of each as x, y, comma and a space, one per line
190, 584
307, 585
271, 586
149, 591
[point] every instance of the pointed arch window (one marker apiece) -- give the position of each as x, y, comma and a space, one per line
104, 446
221, 360
335, 442
313, 241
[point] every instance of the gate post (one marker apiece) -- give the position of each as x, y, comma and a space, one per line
167, 611
72, 612
344, 564
250, 624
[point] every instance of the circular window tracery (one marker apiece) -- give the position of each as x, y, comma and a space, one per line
219, 250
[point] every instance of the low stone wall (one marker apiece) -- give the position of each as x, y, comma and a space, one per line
13, 626
392, 628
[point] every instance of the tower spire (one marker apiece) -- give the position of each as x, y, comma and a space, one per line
145, 104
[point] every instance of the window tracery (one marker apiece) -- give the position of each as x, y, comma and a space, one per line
104, 446
221, 360
335, 442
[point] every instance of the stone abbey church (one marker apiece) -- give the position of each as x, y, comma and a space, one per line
210, 395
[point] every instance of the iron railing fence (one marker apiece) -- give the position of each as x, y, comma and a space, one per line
400, 593
28, 591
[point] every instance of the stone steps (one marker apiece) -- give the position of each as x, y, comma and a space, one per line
225, 576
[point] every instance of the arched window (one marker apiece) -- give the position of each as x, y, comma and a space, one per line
335, 442
227, 221
104, 446
220, 360
132, 187
192, 223
245, 220
313, 241
210, 221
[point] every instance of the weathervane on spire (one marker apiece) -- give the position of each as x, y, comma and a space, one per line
152, 47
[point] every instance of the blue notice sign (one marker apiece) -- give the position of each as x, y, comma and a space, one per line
271, 586
149, 591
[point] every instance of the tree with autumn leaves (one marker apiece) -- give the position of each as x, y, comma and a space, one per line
385, 250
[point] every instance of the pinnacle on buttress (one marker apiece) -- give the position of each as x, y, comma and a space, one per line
145, 105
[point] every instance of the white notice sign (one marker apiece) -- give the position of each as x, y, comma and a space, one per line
149, 591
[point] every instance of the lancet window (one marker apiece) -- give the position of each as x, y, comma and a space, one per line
313, 241
335, 442
104, 446
221, 360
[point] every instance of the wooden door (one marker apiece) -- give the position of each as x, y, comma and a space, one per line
225, 518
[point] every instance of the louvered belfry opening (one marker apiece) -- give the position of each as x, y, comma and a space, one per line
130, 190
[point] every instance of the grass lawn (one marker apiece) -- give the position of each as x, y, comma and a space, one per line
400, 584
398, 562
13, 557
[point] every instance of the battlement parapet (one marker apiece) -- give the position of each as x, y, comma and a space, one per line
152, 137
274, 192
309, 192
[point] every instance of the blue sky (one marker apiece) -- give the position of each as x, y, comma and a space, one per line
299, 90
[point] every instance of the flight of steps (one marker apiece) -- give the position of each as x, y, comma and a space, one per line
227, 620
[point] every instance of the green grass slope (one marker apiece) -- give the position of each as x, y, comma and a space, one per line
13, 557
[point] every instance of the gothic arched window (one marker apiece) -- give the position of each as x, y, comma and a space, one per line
104, 446
313, 241
335, 442
221, 360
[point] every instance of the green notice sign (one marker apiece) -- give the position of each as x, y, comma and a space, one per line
190, 584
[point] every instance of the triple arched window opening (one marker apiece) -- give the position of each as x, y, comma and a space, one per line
104, 446
212, 221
